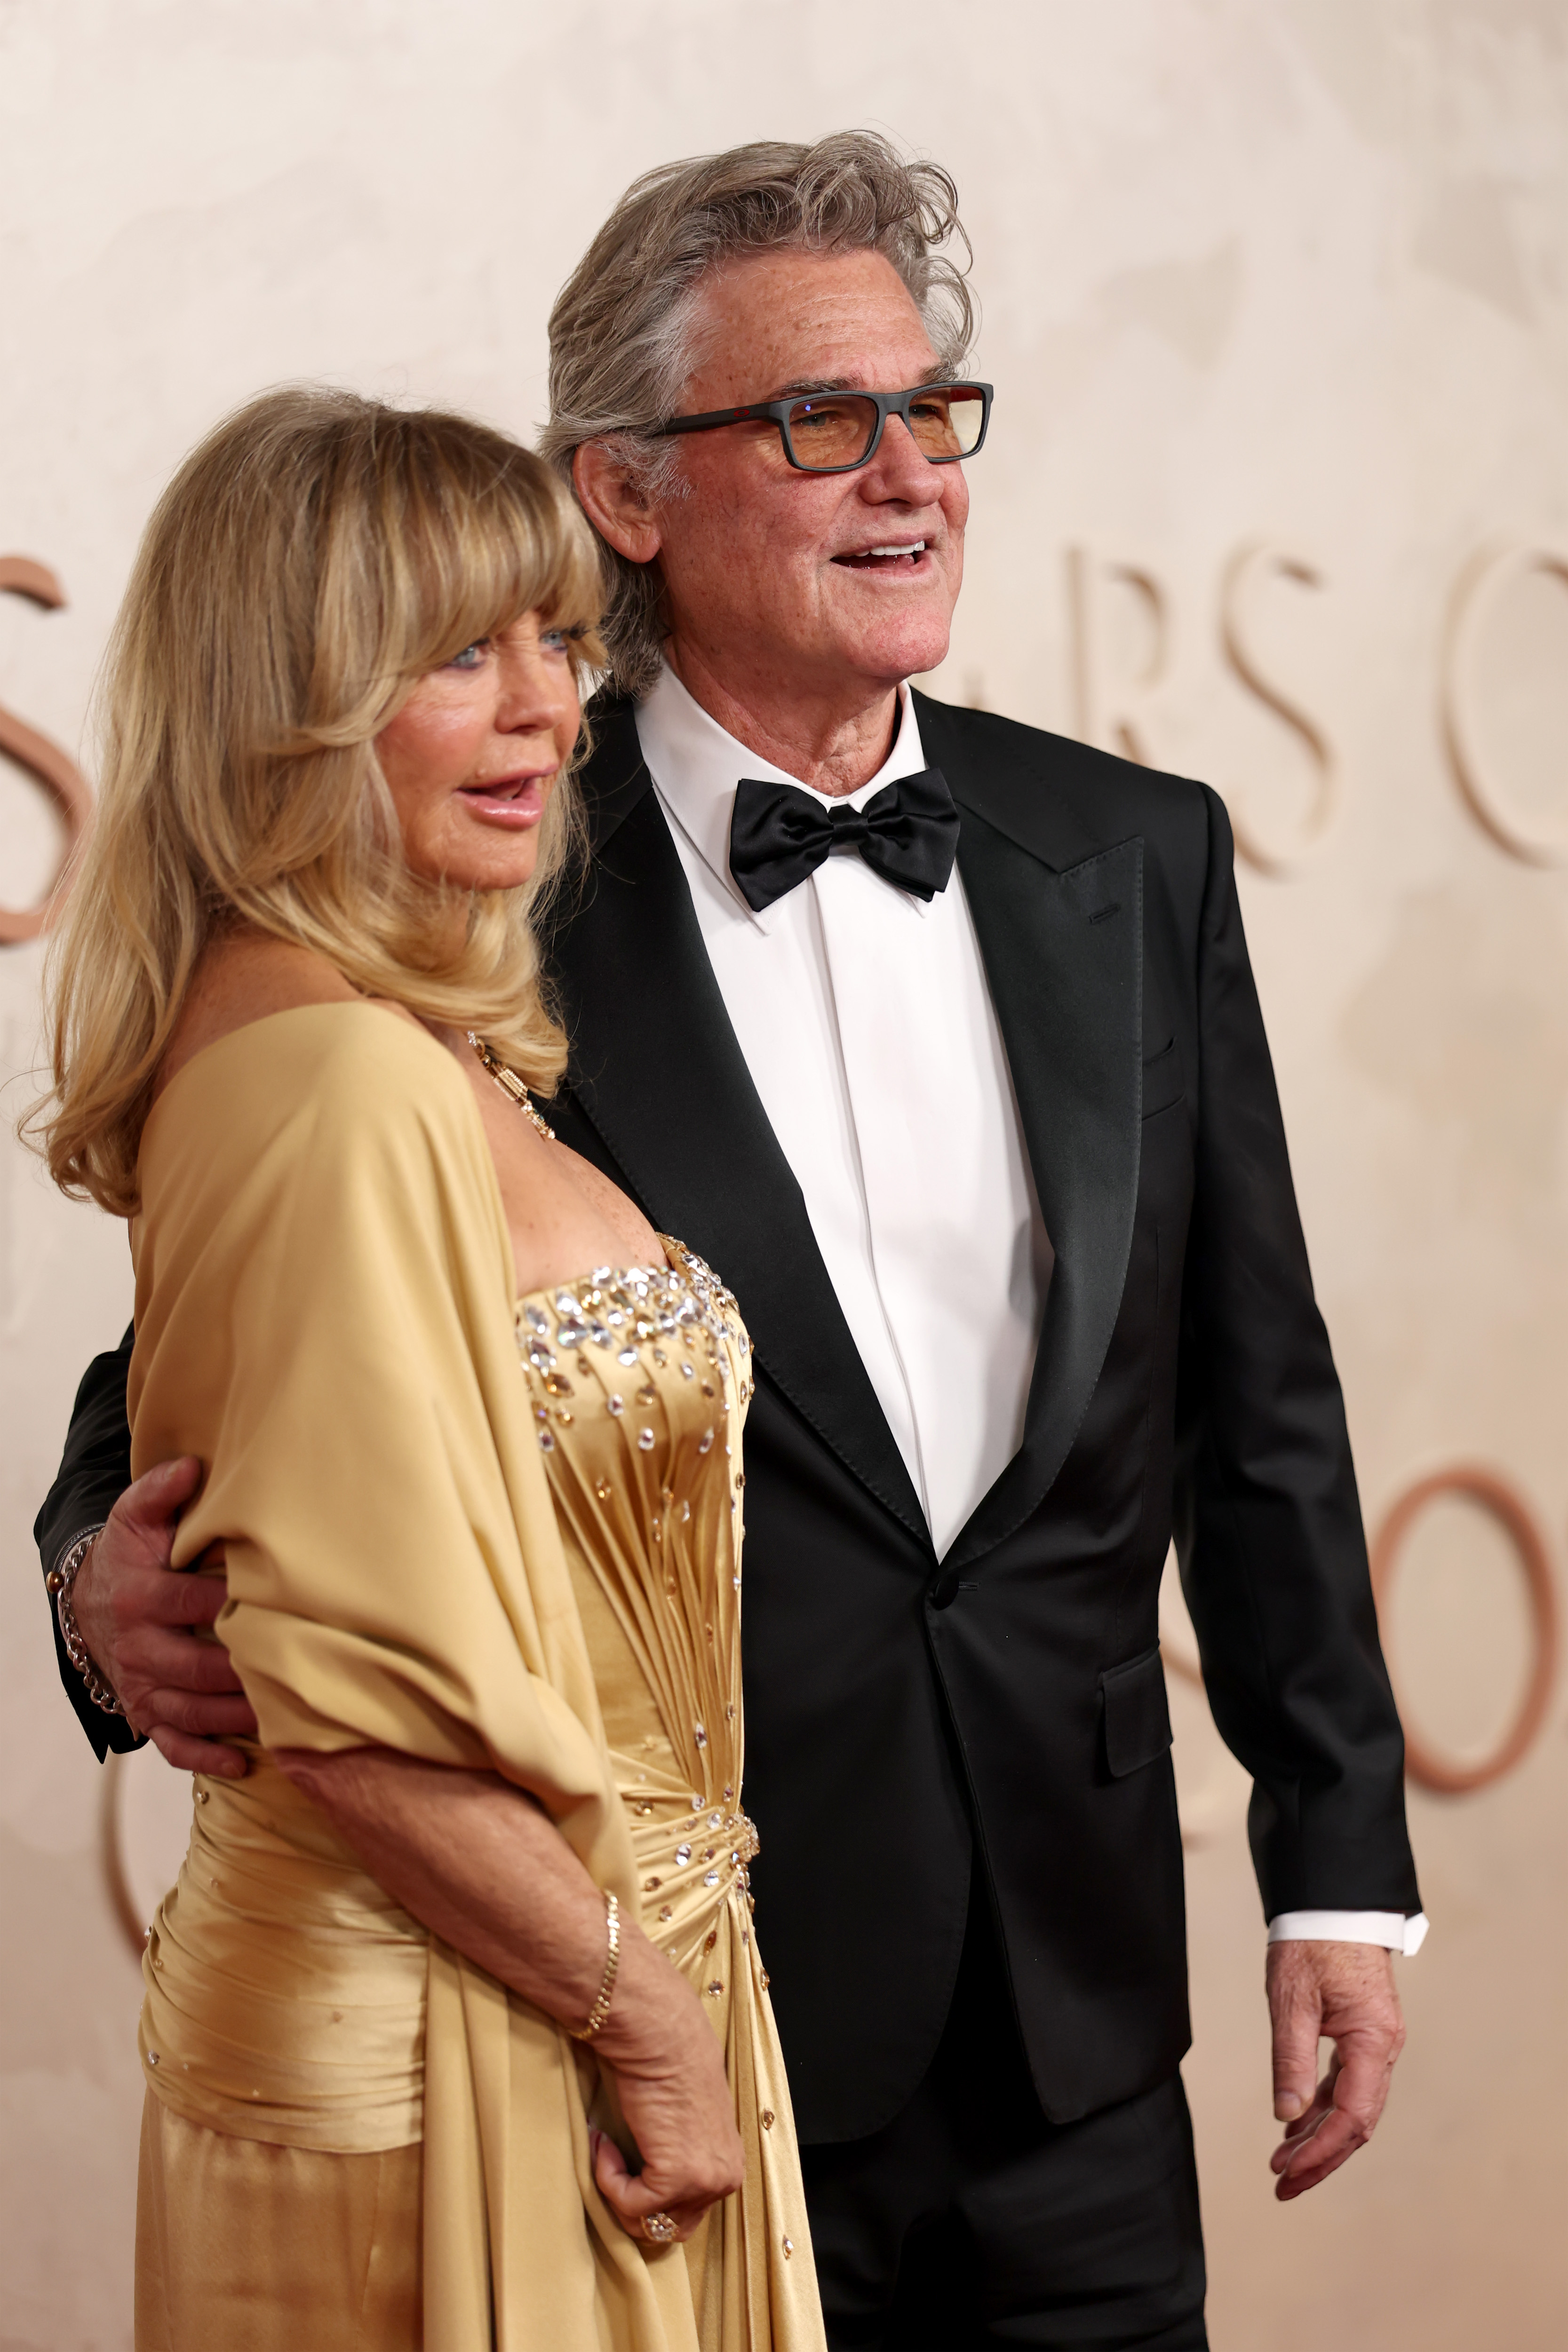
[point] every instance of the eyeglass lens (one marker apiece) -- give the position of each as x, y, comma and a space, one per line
836, 429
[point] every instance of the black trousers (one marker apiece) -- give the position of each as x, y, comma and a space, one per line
971, 2221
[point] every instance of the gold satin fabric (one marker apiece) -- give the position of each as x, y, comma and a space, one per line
285, 1989
245, 2246
434, 1550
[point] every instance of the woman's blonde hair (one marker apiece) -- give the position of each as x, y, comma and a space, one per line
313, 558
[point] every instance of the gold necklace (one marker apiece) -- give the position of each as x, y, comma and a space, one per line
510, 1083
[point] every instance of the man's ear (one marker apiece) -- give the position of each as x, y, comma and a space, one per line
610, 496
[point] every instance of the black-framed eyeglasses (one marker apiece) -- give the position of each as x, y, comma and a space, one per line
834, 432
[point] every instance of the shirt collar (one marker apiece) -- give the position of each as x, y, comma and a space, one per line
696, 765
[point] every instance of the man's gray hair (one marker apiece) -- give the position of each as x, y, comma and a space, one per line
621, 333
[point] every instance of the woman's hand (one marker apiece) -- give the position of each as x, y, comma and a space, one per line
670, 2072
479, 1862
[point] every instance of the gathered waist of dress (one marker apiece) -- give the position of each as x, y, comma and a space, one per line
285, 1988
692, 1852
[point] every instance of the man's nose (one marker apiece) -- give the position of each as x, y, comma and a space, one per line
900, 470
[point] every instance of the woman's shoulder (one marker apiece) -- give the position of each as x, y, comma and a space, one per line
326, 1120
242, 979
272, 1029
326, 1155
362, 1043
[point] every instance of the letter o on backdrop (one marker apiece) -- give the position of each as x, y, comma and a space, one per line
1480, 586
1504, 1505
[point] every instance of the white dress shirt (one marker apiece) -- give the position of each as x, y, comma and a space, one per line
865, 1019
868, 1027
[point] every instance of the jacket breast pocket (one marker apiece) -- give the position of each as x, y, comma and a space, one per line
1136, 1712
1162, 1079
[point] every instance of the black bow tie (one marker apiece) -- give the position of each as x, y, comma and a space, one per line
907, 833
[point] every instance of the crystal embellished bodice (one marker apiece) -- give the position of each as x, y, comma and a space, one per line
639, 1380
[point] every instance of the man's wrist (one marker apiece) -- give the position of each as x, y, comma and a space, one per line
1393, 1929
61, 1581
72, 1555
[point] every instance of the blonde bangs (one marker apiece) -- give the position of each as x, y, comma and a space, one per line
469, 559
311, 561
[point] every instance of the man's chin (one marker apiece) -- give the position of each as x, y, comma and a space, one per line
902, 647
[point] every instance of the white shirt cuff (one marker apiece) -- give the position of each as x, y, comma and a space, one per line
1392, 1929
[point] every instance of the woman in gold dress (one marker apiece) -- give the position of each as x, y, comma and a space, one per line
455, 2033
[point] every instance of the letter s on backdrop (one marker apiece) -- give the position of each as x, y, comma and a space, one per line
57, 774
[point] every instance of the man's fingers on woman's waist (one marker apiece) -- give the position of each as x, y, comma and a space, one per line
160, 1491
169, 1598
189, 1755
215, 1717
169, 1654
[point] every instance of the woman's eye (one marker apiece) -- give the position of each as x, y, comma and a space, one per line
471, 656
560, 641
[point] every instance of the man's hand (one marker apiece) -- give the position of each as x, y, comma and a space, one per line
1345, 1993
141, 1620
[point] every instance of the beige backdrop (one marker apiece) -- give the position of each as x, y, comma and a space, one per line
1276, 294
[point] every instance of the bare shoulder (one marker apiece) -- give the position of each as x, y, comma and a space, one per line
244, 977
563, 1216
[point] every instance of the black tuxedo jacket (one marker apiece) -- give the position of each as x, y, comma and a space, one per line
908, 1721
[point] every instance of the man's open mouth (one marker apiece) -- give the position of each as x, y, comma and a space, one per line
902, 558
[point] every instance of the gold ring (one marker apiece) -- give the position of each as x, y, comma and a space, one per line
658, 2229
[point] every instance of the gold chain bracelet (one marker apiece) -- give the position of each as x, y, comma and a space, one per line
601, 2009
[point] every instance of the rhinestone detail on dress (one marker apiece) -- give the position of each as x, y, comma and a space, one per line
634, 1378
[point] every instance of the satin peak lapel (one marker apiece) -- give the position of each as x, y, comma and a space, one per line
657, 1072
1063, 953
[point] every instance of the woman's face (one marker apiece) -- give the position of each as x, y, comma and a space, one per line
472, 757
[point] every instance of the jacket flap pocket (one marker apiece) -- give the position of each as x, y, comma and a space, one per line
1137, 1713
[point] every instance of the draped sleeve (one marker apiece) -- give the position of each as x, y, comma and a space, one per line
324, 1317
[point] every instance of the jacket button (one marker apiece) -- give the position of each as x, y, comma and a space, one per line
944, 1592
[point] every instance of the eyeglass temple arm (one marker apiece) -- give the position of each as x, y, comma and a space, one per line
712, 416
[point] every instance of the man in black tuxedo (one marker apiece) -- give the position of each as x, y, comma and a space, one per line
986, 1388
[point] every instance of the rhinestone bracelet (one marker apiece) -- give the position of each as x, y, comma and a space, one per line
601, 2009
60, 1579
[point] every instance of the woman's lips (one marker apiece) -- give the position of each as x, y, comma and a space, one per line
513, 802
